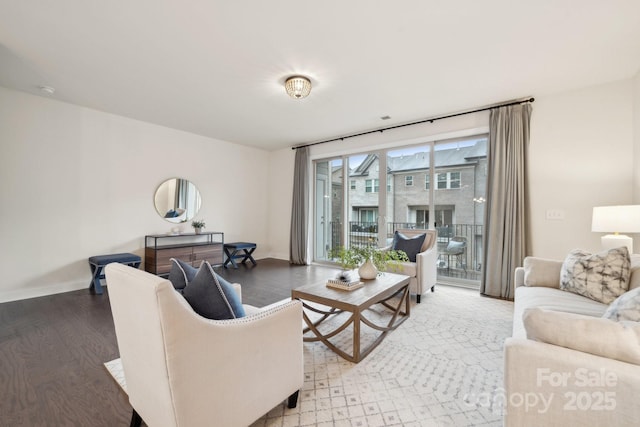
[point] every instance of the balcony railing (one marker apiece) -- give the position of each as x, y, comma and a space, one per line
468, 265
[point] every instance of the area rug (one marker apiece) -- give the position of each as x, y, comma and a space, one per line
442, 367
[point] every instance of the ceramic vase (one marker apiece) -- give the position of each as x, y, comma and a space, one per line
198, 230
368, 270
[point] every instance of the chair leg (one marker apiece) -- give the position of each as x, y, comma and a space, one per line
293, 400
433, 288
136, 419
418, 298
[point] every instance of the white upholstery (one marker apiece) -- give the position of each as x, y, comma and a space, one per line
184, 370
532, 366
424, 271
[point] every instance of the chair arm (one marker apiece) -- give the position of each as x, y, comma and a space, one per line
426, 268
519, 276
239, 360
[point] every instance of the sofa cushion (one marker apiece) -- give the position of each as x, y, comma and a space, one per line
551, 299
625, 307
602, 277
211, 296
602, 337
410, 245
181, 273
542, 272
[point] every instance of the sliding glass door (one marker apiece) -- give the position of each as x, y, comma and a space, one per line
362, 199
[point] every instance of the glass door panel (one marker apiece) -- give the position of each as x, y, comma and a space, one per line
328, 207
408, 189
363, 206
460, 176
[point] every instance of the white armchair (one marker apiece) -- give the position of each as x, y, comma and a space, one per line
184, 370
424, 271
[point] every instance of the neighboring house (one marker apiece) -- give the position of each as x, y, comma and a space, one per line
460, 181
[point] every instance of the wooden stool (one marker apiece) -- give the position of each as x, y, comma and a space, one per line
236, 247
99, 262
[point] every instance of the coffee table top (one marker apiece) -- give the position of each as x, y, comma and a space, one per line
384, 285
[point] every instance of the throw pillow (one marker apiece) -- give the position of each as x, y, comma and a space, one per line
211, 296
181, 273
602, 277
541, 272
410, 245
625, 307
594, 335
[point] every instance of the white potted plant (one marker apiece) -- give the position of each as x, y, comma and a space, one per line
198, 225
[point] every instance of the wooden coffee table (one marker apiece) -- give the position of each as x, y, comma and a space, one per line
356, 302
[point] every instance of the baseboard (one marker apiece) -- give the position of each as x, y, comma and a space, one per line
20, 294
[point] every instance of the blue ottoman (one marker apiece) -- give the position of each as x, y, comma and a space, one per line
99, 262
231, 251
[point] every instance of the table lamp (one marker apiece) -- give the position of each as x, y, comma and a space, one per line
616, 220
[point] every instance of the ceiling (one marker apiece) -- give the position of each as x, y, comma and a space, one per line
217, 68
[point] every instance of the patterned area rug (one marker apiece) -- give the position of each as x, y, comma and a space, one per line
442, 367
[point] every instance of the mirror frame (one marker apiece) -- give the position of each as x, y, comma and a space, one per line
177, 200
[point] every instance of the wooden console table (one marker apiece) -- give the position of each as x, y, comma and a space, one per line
188, 247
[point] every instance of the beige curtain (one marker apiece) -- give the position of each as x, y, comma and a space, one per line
299, 208
506, 215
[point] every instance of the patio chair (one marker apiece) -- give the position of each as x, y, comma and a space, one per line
456, 248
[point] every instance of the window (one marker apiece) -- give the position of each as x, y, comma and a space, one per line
448, 180
353, 184
408, 181
427, 181
372, 185
368, 215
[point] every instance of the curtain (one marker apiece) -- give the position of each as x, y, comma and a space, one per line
507, 226
299, 208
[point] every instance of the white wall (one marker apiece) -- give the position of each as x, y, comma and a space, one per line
78, 182
581, 156
636, 140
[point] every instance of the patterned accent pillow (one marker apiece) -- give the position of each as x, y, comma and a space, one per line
602, 277
625, 307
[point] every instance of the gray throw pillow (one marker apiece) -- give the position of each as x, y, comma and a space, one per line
211, 296
602, 277
410, 245
625, 307
181, 273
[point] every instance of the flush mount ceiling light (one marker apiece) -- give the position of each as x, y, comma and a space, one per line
298, 86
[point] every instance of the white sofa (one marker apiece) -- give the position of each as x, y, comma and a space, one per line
554, 385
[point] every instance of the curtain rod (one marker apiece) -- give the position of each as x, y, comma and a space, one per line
431, 120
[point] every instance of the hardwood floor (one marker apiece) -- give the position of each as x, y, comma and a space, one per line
52, 349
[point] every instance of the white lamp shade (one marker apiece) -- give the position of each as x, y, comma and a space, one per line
616, 219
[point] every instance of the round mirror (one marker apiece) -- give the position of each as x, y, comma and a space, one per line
177, 200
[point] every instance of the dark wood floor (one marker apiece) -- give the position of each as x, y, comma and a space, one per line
52, 349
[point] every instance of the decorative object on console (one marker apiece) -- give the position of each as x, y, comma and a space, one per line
177, 200
616, 220
298, 87
602, 277
198, 225
368, 270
